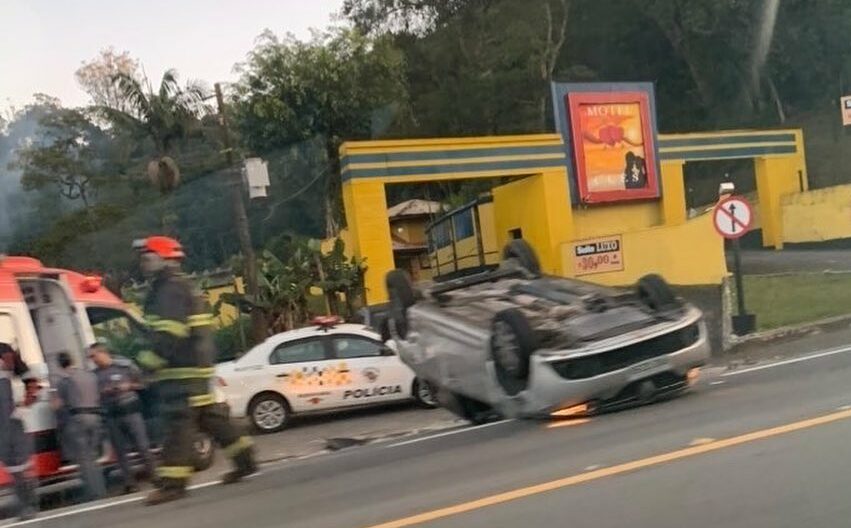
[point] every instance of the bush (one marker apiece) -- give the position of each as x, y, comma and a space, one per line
229, 339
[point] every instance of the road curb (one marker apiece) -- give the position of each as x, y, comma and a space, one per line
790, 331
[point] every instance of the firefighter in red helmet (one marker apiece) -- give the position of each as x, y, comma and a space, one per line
182, 356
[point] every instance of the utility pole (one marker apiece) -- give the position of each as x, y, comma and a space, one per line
240, 220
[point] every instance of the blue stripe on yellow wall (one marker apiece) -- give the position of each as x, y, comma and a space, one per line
724, 140
428, 155
450, 168
727, 153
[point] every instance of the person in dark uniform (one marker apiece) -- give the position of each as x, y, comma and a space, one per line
182, 356
15, 444
77, 403
118, 381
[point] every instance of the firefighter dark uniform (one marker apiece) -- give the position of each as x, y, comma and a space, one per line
182, 357
15, 448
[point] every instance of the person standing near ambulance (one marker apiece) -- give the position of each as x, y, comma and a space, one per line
119, 380
15, 448
77, 402
182, 357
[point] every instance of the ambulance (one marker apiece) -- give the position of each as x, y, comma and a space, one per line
45, 311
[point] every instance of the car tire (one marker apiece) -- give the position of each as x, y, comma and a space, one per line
203, 452
512, 343
269, 413
520, 251
655, 293
402, 296
424, 394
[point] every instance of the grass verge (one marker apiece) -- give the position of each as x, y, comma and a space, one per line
782, 300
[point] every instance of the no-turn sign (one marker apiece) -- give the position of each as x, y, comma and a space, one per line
732, 217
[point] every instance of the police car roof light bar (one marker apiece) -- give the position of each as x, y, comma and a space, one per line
326, 321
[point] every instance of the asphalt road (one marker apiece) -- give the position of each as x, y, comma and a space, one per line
763, 447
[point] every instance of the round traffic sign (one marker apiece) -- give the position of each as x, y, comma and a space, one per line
732, 217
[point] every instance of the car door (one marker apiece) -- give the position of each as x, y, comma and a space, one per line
376, 374
299, 370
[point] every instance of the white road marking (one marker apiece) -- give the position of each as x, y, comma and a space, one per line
717, 382
102, 505
448, 433
592, 467
809, 357
843, 407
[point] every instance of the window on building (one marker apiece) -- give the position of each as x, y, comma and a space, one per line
464, 224
441, 235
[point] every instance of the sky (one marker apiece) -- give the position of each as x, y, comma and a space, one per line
43, 42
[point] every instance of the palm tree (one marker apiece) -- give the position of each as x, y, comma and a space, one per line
165, 116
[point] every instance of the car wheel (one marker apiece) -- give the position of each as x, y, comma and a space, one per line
269, 413
520, 251
425, 394
655, 293
402, 296
512, 344
203, 452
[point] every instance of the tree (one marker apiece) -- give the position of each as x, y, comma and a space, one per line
714, 40
66, 156
165, 116
97, 78
341, 85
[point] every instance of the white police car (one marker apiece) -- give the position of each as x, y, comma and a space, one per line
319, 368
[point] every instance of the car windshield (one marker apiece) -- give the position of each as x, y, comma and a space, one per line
398, 263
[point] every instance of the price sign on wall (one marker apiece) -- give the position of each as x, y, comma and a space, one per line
597, 255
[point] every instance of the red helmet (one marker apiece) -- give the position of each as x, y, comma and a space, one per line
165, 247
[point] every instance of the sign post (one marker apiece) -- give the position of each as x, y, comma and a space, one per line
733, 217
845, 102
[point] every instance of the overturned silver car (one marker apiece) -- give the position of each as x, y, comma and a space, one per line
511, 342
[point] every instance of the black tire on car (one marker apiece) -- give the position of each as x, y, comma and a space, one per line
402, 296
512, 343
203, 451
269, 412
425, 393
655, 293
523, 254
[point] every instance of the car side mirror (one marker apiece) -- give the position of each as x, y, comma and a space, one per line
387, 351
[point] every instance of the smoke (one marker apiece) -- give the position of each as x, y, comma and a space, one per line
16, 205
10, 193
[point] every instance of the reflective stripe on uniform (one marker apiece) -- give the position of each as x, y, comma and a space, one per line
199, 320
170, 326
174, 472
185, 373
19, 468
239, 446
201, 400
149, 360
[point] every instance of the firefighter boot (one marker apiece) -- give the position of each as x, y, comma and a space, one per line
245, 466
165, 494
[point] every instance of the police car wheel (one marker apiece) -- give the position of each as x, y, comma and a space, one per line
269, 413
203, 452
425, 394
